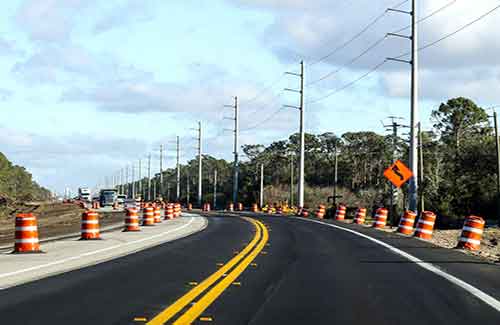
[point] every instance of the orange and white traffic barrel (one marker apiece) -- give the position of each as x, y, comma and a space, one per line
240, 206
189, 207
169, 214
360, 216
177, 210
304, 213
407, 222
157, 213
255, 207
26, 234
320, 213
206, 207
148, 216
132, 220
279, 210
425, 225
340, 213
380, 218
472, 232
90, 225
230, 207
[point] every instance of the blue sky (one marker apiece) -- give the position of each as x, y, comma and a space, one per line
88, 87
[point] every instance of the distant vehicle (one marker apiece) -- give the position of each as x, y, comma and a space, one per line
84, 194
107, 197
121, 199
130, 203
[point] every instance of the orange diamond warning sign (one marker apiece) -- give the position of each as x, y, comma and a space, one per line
398, 173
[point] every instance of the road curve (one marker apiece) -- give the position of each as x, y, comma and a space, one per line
305, 273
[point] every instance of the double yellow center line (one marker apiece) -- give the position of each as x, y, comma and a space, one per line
235, 267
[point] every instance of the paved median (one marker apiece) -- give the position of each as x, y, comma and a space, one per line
69, 254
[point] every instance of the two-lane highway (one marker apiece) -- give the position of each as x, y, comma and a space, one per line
264, 270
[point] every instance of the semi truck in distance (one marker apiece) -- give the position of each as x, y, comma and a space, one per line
107, 197
84, 194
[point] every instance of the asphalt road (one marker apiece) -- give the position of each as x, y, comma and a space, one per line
307, 273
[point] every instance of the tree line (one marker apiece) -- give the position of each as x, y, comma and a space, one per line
459, 167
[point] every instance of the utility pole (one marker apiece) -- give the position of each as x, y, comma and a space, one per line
149, 177
236, 147
421, 162
394, 126
335, 175
187, 188
121, 181
200, 170
215, 189
154, 188
140, 180
126, 182
291, 180
414, 119
302, 133
261, 199
133, 181
497, 143
178, 171
161, 170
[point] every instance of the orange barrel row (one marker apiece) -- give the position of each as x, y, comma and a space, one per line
340, 213
360, 216
425, 225
148, 216
206, 207
255, 207
132, 220
169, 213
407, 222
380, 218
230, 207
320, 213
26, 234
177, 210
472, 232
90, 225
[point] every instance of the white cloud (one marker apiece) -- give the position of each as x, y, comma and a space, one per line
131, 12
5, 94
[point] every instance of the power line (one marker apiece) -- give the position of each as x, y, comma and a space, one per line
371, 47
454, 32
265, 89
372, 70
356, 36
376, 67
377, 43
435, 12
257, 125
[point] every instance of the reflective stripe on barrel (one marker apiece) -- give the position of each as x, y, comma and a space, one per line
320, 213
407, 222
360, 216
132, 220
90, 225
340, 213
425, 225
157, 213
472, 232
26, 234
380, 218
148, 218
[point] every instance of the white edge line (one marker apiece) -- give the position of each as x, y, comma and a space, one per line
486, 298
94, 252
